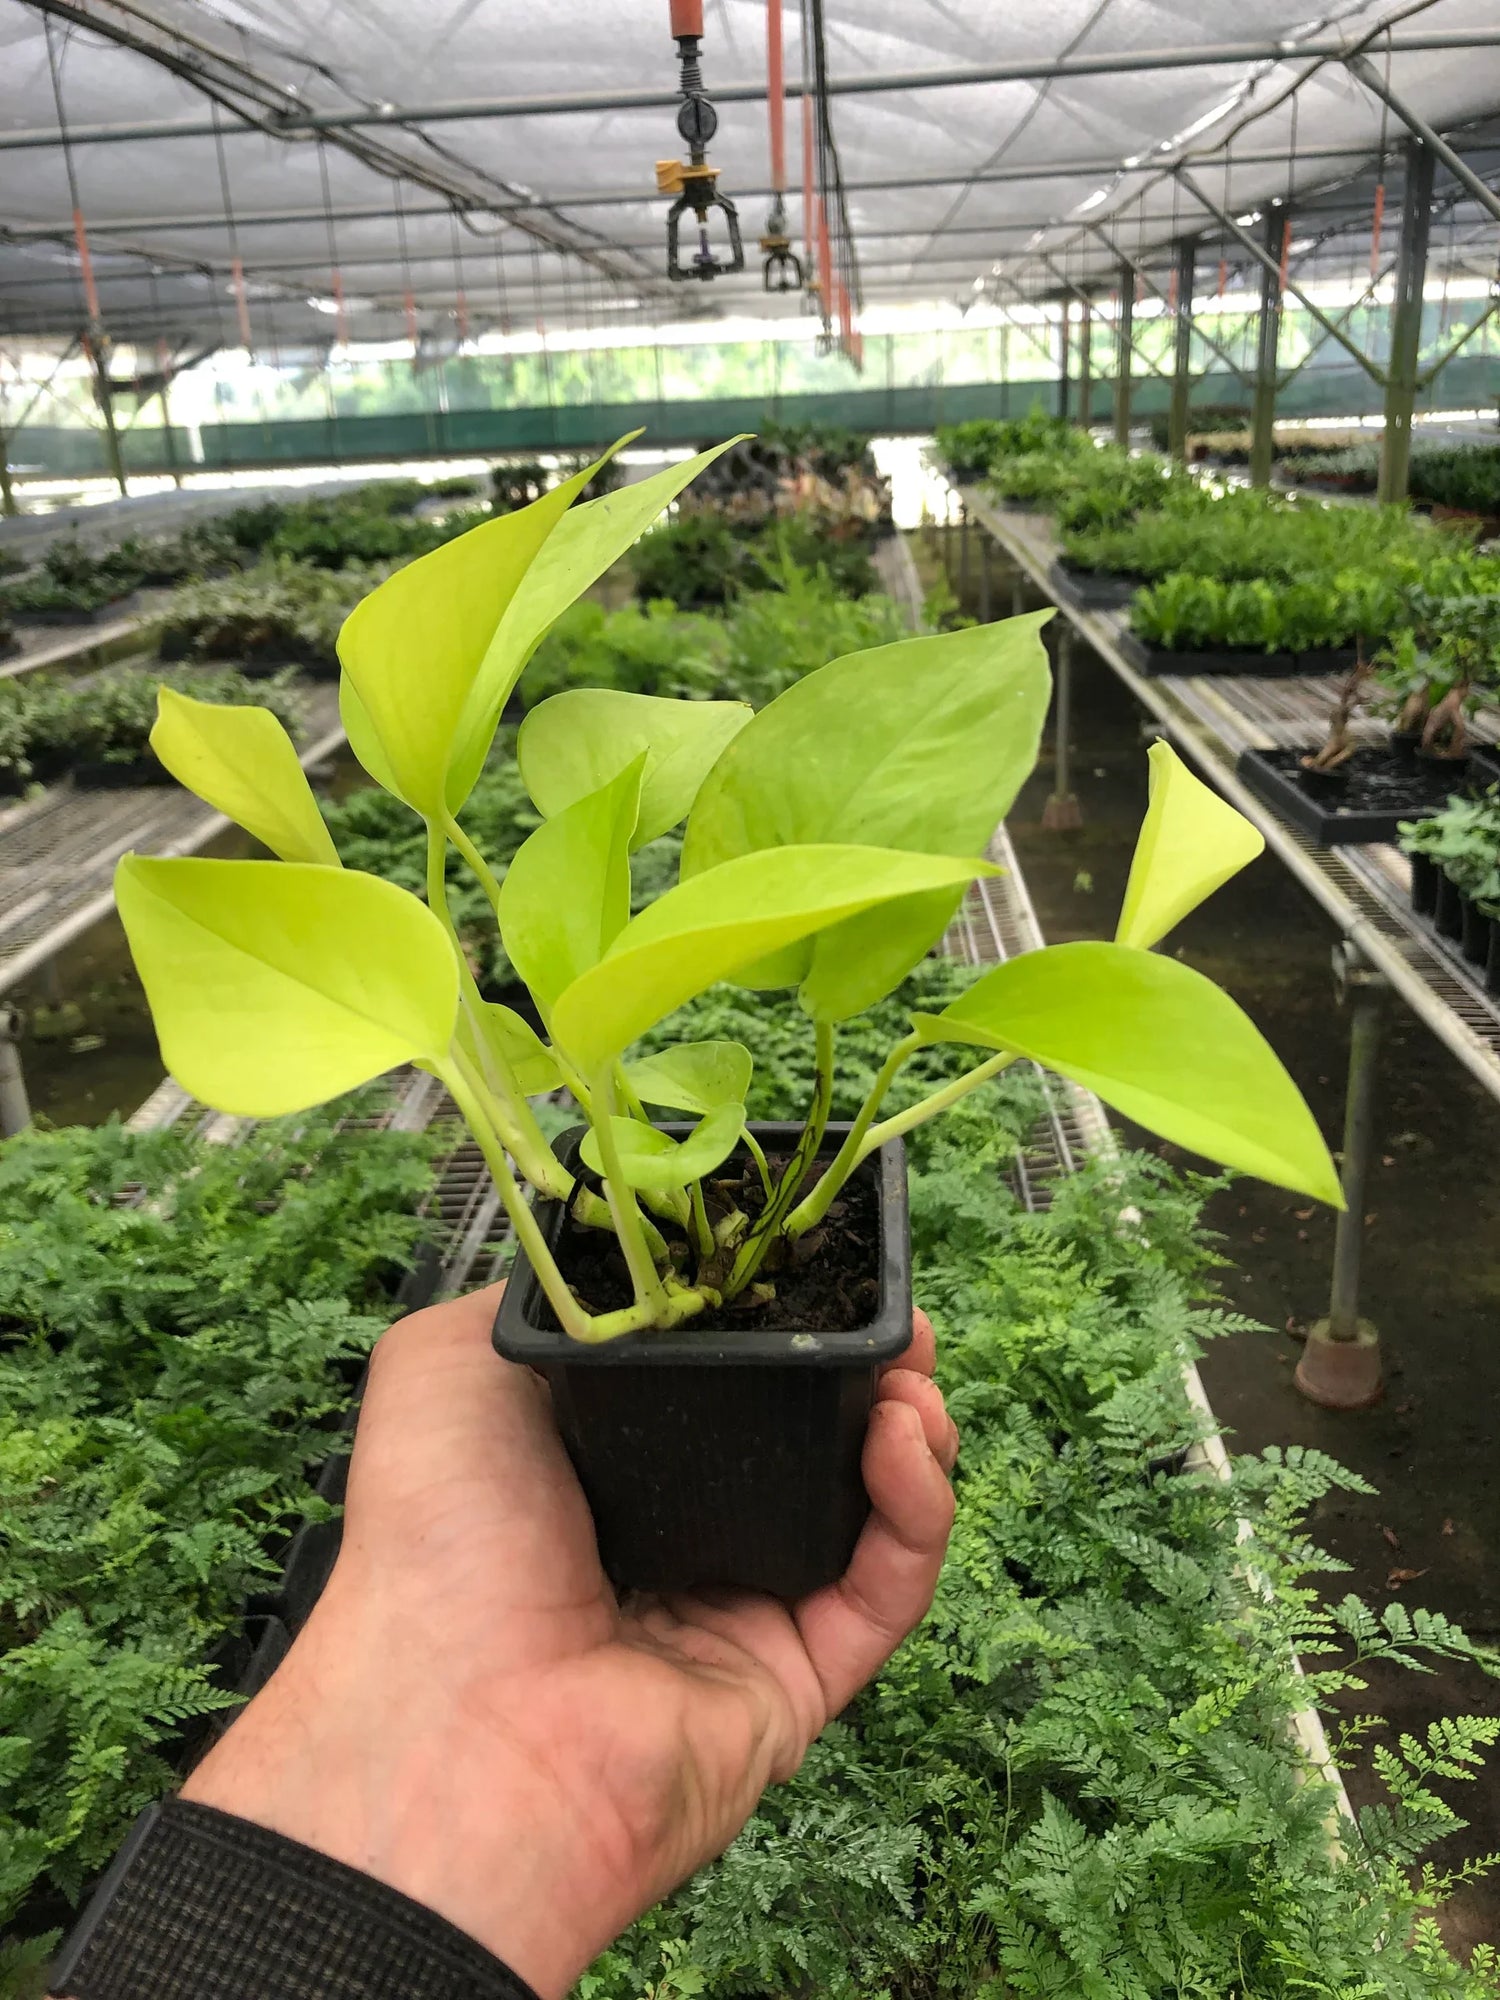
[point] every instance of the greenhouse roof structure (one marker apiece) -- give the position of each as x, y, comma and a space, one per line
174, 168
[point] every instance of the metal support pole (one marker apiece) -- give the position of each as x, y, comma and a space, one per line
986, 607
1267, 338
1018, 592
15, 1107
1124, 343
1406, 323
168, 442
1182, 350
7, 491
1065, 342
963, 553
1264, 258
1086, 361
1340, 1365
106, 398
1061, 812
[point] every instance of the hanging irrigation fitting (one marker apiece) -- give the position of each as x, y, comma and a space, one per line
694, 181
782, 270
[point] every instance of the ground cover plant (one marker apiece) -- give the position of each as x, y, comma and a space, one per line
1464, 841
828, 841
1078, 1776
276, 612
49, 726
181, 1325
72, 579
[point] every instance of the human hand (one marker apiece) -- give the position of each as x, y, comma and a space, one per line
472, 1718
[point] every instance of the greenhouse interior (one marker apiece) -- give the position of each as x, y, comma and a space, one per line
749, 1000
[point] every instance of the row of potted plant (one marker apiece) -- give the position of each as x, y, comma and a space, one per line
1455, 876
1461, 478
98, 730
184, 1326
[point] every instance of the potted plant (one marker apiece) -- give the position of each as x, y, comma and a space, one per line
663, 1275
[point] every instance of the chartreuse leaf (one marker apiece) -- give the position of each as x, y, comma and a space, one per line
694, 1076
582, 547
242, 762
1159, 1042
1190, 843
920, 745
275, 984
412, 650
659, 1163
706, 929
513, 1038
566, 895
571, 743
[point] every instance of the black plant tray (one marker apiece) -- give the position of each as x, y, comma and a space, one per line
721, 1458
100, 615
95, 775
1090, 589
1382, 789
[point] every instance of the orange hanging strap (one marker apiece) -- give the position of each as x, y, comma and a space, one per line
85, 265
1375, 222
687, 18
409, 304
341, 317
776, 96
1223, 274
1171, 292
461, 314
1286, 249
241, 302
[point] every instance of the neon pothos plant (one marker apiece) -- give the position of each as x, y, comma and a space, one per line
828, 841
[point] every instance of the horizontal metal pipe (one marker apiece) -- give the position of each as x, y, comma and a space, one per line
1113, 63
1057, 170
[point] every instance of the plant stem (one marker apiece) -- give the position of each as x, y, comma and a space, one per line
571, 1317
758, 1154
706, 1244
594, 1212
476, 861
768, 1222
621, 1197
929, 1107
838, 1170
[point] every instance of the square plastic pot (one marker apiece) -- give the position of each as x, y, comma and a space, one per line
727, 1458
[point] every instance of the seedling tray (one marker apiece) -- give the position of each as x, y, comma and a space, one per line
1091, 589
1382, 790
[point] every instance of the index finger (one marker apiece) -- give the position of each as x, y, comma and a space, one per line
921, 1356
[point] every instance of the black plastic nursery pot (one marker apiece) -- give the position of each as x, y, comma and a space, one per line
1448, 912
1474, 933
1091, 589
1424, 884
713, 1454
1378, 791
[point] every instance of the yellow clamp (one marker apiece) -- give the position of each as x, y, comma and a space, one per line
673, 175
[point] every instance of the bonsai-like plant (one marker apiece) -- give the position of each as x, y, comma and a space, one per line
829, 840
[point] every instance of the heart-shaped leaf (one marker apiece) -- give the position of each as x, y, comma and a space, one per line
566, 894
694, 1076
275, 985
584, 544
1159, 1042
706, 929
1190, 843
658, 1164
242, 762
572, 743
921, 745
413, 650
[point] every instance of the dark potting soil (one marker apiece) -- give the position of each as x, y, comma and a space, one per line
833, 1286
1375, 782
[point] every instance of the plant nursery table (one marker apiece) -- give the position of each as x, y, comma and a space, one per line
1365, 889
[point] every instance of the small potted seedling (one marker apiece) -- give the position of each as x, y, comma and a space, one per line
709, 1300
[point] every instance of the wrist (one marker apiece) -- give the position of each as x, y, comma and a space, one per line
336, 1754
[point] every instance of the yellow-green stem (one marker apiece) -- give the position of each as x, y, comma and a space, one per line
815, 1207
476, 861
929, 1107
758, 1154
621, 1198
706, 1244
571, 1317
768, 1222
